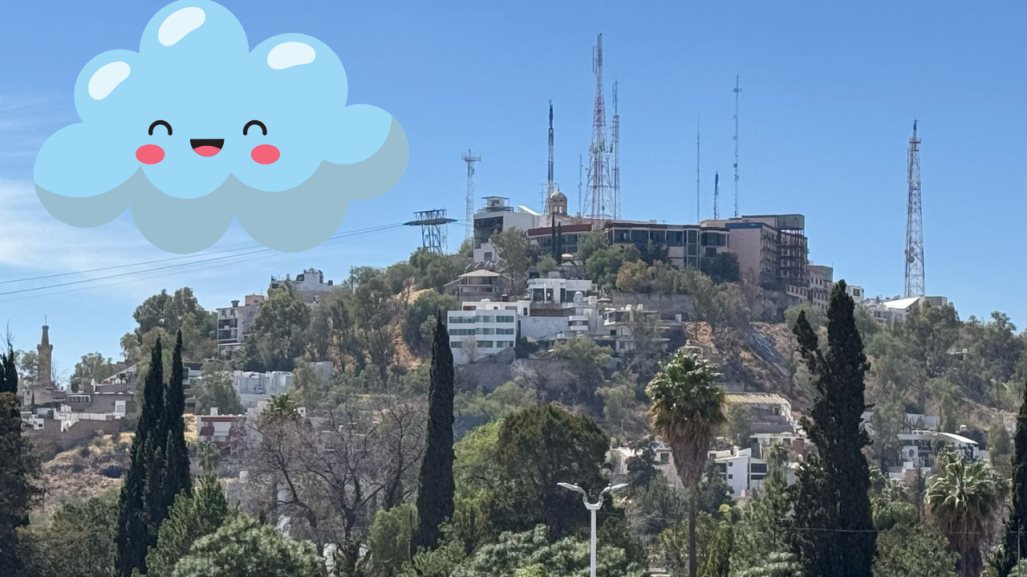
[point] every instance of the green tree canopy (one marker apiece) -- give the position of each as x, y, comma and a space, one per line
537, 448
18, 470
244, 547
192, 517
215, 389
77, 542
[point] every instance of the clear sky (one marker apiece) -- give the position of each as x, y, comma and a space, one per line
829, 92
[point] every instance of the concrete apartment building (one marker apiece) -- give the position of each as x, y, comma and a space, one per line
482, 329
772, 249
685, 244
235, 322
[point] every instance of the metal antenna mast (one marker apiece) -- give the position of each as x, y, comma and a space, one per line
716, 195
737, 90
470, 159
697, 187
615, 171
581, 170
598, 201
549, 179
914, 222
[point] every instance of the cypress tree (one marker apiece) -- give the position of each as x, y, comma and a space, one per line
833, 491
160, 462
17, 467
176, 455
1015, 540
435, 485
134, 536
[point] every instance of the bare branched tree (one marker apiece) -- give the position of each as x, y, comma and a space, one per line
324, 476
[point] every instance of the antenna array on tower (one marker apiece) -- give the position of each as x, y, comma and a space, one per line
716, 195
615, 171
470, 159
599, 201
914, 221
737, 90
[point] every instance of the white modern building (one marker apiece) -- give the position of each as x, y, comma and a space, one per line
496, 216
482, 329
742, 472
309, 285
614, 327
558, 308
894, 311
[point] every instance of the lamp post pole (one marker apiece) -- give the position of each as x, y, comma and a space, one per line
593, 508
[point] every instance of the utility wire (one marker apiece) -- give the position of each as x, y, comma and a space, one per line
235, 254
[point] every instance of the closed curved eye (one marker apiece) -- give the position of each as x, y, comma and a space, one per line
257, 123
157, 123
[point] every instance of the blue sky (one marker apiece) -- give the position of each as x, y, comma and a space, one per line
828, 96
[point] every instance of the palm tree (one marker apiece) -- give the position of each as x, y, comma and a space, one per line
687, 409
963, 498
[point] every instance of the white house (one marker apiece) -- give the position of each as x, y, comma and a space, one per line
482, 329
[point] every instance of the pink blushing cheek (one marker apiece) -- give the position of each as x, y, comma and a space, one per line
149, 154
265, 154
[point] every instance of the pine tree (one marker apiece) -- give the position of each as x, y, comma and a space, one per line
17, 467
1015, 540
435, 485
833, 491
134, 537
192, 517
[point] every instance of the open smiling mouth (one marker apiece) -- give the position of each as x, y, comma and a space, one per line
207, 146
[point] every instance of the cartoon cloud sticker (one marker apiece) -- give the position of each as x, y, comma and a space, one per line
196, 127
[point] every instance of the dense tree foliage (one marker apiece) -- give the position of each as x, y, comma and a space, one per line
834, 483
214, 389
435, 483
18, 467
244, 547
1014, 543
192, 517
537, 448
160, 463
78, 541
164, 315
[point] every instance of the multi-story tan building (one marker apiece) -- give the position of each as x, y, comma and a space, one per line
771, 250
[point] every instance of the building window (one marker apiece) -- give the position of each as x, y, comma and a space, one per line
455, 344
730, 476
504, 319
486, 344
693, 237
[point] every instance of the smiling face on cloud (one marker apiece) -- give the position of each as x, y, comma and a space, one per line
197, 126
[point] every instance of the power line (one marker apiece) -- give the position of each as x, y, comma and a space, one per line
234, 255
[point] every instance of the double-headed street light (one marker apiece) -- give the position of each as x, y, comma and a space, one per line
592, 508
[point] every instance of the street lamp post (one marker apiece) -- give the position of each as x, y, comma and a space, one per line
592, 509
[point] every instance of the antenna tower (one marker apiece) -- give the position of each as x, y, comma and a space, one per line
615, 171
914, 222
598, 202
716, 195
738, 89
549, 179
581, 170
697, 188
470, 159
